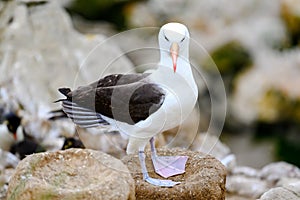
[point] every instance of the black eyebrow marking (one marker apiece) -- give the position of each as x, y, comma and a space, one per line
182, 39
166, 38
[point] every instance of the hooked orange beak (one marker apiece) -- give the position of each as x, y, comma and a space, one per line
15, 136
174, 54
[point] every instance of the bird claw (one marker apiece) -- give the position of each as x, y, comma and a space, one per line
161, 183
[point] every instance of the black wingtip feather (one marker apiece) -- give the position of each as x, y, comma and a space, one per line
65, 91
56, 114
59, 100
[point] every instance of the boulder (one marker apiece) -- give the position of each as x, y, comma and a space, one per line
279, 193
71, 174
204, 178
41, 49
274, 181
237, 197
246, 186
278, 170
40, 52
5, 175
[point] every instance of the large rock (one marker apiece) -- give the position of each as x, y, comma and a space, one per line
280, 193
278, 170
40, 51
273, 181
246, 186
71, 174
4, 180
204, 177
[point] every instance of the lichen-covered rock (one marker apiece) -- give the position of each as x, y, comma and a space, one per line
289, 191
204, 177
41, 52
246, 186
280, 193
294, 187
237, 197
272, 181
276, 171
71, 174
5, 175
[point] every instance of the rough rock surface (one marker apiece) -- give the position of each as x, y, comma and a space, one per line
204, 177
288, 188
41, 39
71, 174
5, 175
237, 197
273, 181
40, 52
275, 171
246, 186
280, 193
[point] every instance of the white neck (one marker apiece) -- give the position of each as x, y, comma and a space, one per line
165, 69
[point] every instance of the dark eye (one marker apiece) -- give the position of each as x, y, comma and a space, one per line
182, 39
166, 38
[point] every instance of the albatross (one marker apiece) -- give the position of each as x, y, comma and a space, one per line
143, 105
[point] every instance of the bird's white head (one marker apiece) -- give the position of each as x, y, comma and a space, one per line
173, 41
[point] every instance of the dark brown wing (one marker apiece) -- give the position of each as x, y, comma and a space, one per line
127, 98
120, 79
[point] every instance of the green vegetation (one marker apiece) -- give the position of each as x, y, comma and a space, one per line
285, 136
291, 19
279, 121
113, 11
230, 58
276, 105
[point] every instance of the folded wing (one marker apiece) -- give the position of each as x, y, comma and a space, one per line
128, 98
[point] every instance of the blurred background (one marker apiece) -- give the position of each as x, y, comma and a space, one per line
254, 43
